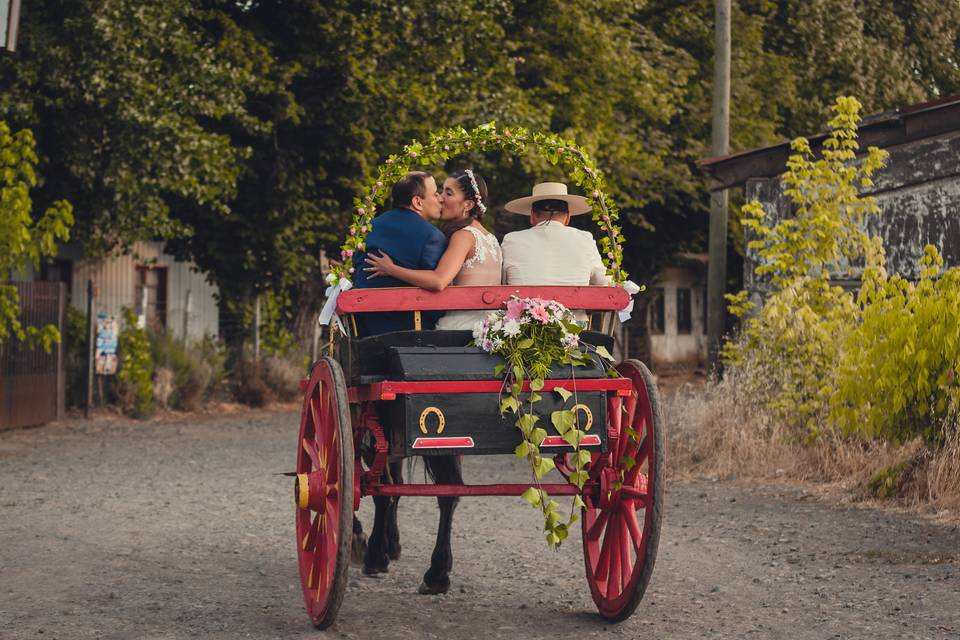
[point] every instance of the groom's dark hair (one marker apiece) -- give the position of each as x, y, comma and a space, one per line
410, 185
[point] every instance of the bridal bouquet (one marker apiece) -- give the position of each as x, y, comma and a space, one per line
532, 334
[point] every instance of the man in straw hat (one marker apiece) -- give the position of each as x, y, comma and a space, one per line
550, 252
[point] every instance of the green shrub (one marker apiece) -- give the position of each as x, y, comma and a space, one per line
197, 369
249, 386
135, 375
882, 362
897, 377
786, 353
77, 345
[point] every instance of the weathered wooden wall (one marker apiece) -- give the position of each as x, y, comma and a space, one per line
919, 197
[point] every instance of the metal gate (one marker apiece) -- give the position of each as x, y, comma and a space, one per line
32, 381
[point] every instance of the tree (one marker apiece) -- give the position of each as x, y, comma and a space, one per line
23, 240
129, 103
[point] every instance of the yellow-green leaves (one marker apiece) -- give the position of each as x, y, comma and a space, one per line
23, 240
879, 362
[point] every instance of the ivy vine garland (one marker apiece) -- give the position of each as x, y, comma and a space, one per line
445, 144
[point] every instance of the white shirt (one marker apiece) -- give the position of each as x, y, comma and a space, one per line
552, 254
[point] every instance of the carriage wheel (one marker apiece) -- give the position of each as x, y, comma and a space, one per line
621, 528
324, 492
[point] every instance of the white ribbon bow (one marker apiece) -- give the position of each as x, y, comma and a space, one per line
330, 306
632, 288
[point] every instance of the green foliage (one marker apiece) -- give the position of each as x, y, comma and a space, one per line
881, 362
135, 375
130, 102
197, 368
77, 343
897, 377
793, 342
23, 240
886, 482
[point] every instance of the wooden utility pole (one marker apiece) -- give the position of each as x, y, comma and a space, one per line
9, 24
717, 269
187, 310
256, 329
91, 349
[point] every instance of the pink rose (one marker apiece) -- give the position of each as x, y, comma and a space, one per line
514, 309
361, 211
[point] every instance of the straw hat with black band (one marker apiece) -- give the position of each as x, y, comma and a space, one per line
549, 191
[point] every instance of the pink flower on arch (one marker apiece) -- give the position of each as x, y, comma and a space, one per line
540, 314
514, 309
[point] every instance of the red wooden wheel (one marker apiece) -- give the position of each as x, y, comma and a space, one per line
621, 528
324, 492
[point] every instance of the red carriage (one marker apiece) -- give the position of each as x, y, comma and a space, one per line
426, 384
374, 401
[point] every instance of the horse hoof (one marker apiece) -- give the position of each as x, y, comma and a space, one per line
427, 590
358, 548
376, 567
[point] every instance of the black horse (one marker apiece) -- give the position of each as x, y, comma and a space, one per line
383, 544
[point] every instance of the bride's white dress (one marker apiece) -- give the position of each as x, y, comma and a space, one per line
484, 268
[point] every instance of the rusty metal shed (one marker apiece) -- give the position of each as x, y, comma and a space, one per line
918, 191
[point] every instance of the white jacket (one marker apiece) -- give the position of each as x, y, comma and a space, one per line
552, 254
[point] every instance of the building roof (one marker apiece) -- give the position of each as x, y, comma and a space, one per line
914, 122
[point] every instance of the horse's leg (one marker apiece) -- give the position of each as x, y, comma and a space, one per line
358, 547
375, 560
393, 531
378, 556
445, 470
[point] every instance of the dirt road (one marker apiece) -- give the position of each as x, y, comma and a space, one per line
179, 529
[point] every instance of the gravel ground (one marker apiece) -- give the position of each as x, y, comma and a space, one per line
180, 528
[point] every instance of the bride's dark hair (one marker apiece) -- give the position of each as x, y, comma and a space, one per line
478, 195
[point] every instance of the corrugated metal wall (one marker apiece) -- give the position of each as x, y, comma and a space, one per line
115, 280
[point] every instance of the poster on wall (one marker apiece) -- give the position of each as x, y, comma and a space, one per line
105, 358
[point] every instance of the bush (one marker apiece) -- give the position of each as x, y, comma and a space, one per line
135, 376
878, 363
897, 376
77, 344
249, 386
196, 370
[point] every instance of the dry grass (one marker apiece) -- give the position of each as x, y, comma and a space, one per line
713, 431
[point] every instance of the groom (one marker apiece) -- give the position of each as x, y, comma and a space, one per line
405, 234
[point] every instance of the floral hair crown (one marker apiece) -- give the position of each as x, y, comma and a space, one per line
476, 191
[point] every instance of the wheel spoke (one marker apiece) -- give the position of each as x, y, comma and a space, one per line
603, 562
593, 533
311, 450
626, 564
612, 542
630, 518
631, 407
315, 415
309, 541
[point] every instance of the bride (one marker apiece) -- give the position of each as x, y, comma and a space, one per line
473, 255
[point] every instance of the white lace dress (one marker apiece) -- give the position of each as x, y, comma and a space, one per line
484, 268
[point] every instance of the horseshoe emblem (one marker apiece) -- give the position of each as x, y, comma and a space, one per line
576, 408
441, 421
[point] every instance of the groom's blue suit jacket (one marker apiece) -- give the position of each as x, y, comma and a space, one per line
411, 242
